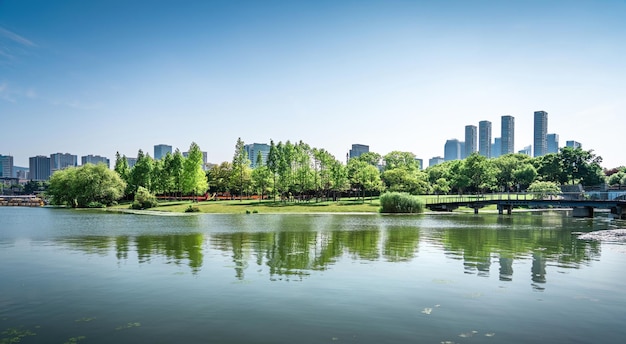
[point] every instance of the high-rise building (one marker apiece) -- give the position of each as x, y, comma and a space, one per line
462, 149
452, 150
21, 172
484, 138
6, 166
254, 149
496, 147
527, 150
39, 167
131, 162
435, 161
508, 135
160, 151
94, 159
573, 144
357, 150
59, 161
471, 140
553, 143
540, 141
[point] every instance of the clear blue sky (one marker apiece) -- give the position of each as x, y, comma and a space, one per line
96, 77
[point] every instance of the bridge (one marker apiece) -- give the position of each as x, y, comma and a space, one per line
582, 205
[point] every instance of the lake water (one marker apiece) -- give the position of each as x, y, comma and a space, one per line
70, 276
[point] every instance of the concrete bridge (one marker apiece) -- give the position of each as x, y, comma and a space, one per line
582, 205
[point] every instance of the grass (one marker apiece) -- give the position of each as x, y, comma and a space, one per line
265, 207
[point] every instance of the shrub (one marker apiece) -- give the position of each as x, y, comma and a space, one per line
397, 202
96, 205
144, 199
192, 209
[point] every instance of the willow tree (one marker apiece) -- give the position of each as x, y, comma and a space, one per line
85, 186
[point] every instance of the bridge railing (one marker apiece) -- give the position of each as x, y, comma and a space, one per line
521, 196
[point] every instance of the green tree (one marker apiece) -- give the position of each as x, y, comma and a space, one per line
194, 178
542, 189
87, 185
241, 168
144, 199
141, 174
220, 176
261, 177
398, 159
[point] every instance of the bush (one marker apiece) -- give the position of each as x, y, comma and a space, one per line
144, 199
96, 205
192, 209
397, 202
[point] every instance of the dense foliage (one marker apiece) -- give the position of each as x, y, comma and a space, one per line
298, 172
144, 199
400, 202
85, 186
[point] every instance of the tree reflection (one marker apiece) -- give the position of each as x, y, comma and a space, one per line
293, 247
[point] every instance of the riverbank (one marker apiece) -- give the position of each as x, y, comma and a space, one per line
265, 207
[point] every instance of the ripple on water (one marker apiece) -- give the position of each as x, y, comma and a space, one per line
618, 235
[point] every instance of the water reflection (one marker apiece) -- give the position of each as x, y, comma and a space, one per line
293, 247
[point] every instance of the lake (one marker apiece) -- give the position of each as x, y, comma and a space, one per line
79, 276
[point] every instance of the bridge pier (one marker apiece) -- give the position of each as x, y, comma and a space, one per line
619, 212
502, 207
583, 212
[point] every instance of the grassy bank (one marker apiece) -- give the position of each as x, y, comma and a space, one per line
265, 207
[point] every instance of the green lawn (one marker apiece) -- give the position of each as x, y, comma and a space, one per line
239, 207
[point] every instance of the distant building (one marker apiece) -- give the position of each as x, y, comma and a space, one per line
420, 162
94, 159
358, 150
60, 161
435, 161
484, 138
471, 140
6, 166
160, 151
131, 162
452, 150
254, 149
462, 149
204, 159
496, 147
21, 172
553, 143
540, 140
573, 144
528, 150
39, 167
508, 135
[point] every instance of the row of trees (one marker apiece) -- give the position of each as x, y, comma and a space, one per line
297, 171
300, 171
172, 175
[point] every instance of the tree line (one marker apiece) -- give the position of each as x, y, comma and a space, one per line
299, 172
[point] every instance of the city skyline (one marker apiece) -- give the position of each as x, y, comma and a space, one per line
101, 77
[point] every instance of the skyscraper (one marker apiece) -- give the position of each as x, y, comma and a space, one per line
508, 135
435, 160
471, 140
452, 150
553, 143
59, 161
39, 167
254, 149
161, 151
6, 166
496, 148
484, 138
540, 141
95, 159
573, 144
357, 150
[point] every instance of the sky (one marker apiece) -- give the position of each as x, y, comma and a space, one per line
100, 77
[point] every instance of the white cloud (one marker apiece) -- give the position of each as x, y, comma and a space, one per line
12, 36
